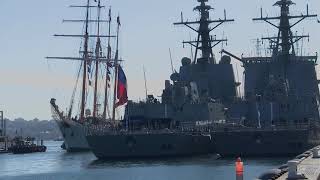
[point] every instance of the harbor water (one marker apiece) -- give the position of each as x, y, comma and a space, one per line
57, 164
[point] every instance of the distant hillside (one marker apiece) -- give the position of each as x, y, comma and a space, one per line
46, 130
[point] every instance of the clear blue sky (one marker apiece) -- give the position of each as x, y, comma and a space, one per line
28, 81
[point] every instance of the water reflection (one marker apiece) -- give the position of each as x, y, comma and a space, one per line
80, 166
181, 161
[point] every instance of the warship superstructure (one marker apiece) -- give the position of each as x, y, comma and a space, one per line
93, 62
197, 94
157, 128
279, 113
281, 110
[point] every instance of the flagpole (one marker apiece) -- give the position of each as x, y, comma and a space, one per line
116, 73
107, 73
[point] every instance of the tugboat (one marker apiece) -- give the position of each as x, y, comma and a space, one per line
24, 146
72, 125
167, 128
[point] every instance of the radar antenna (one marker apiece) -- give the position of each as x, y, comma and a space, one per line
285, 41
204, 42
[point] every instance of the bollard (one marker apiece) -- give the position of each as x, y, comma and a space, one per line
239, 169
315, 153
293, 168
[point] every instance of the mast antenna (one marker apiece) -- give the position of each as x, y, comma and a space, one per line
204, 41
172, 69
145, 82
285, 40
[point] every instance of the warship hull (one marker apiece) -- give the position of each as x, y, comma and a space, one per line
265, 143
73, 135
120, 146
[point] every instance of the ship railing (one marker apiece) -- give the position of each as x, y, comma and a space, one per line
102, 130
283, 126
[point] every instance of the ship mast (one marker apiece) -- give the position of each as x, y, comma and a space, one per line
116, 66
85, 54
107, 72
283, 45
204, 42
285, 40
85, 61
98, 51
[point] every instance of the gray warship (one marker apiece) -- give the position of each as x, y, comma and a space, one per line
278, 115
165, 128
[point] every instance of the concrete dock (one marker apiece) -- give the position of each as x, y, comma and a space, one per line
308, 168
304, 166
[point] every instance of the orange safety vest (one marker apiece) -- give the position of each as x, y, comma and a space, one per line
239, 168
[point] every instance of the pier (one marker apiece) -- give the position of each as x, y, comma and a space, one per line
304, 166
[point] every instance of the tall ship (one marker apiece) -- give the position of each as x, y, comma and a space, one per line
164, 128
96, 71
279, 114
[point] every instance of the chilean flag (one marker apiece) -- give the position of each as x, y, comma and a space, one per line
121, 88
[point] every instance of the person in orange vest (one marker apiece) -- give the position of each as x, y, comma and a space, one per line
239, 169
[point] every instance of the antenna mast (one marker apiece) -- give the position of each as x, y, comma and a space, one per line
284, 42
283, 49
145, 82
204, 42
172, 69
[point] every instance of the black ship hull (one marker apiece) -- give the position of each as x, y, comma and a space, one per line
265, 143
120, 146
